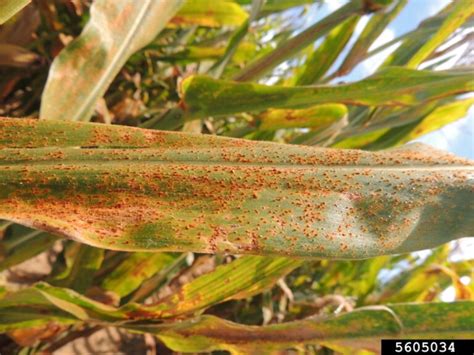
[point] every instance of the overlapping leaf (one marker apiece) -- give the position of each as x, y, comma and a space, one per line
9, 8
359, 329
20, 244
209, 13
430, 34
302, 40
314, 117
374, 28
135, 269
203, 96
321, 60
81, 263
81, 73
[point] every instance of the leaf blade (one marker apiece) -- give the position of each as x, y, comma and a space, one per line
9, 8
172, 189
203, 96
115, 31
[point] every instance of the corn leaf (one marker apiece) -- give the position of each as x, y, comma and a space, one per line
81, 73
241, 278
360, 141
374, 28
278, 5
82, 261
135, 269
431, 33
431, 121
413, 283
314, 117
441, 116
461, 11
212, 194
203, 96
292, 46
209, 14
198, 53
8, 8
20, 244
234, 42
28, 308
360, 329
321, 60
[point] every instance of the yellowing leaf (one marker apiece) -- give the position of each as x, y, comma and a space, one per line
461, 11
440, 117
316, 116
9, 8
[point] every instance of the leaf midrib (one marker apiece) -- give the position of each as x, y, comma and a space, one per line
98, 163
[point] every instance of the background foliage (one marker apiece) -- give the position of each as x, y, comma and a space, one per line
238, 69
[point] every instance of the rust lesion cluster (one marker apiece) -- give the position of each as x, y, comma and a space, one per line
133, 189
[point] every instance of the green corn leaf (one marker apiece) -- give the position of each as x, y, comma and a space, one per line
461, 11
82, 72
351, 278
430, 34
20, 244
374, 28
28, 308
241, 278
429, 122
382, 122
314, 117
400, 126
203, 96
148, 287
360, 329
198, 53
396, 117
135, 269
439, 117
272, 6
8, 8
82, 261
297, 43
360, 141
141, 190
413, 283
218, 68
321, 60
209, 14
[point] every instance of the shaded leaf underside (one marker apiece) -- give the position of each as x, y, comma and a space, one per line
361, 328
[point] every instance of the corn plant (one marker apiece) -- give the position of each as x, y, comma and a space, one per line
201, 175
